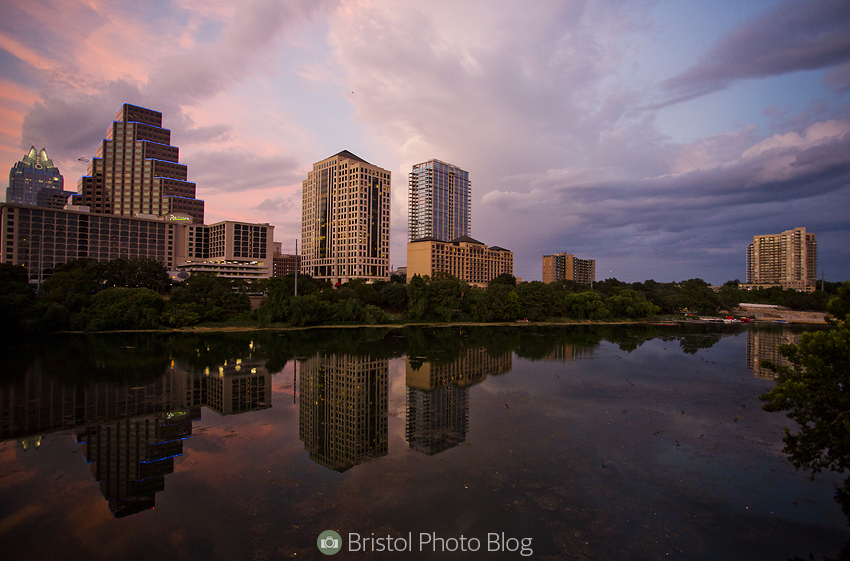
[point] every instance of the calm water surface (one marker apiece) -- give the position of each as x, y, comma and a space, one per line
644, 442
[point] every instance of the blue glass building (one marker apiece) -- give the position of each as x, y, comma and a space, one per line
35, 172
439, 201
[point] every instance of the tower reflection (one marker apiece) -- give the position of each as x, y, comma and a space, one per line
438, 397
764, 345
130, 432
342, 408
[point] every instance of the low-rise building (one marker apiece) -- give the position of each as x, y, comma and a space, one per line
464, 257
285, 263
41, 239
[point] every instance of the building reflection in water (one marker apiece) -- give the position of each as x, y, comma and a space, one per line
567, 353
438, 397
342, 408
131, 457
764, 345
131, 434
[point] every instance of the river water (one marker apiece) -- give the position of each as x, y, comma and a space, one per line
630, 442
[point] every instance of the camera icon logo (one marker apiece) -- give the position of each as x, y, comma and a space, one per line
329, 542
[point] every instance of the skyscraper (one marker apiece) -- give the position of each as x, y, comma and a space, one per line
345, 220
136, 170
439, 202
788, 260
35, 172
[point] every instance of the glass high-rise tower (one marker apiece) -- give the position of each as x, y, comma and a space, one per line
439, 202
35, 172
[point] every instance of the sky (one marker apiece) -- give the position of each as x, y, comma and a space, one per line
654, 136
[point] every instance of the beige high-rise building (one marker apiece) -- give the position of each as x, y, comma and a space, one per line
136, 170
345, 220
788, 260
564, 266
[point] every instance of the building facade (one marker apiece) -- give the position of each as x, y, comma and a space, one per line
788, 260
34, 174
345, 220
136, 170
285, 264
41, 239
565, 266
439, 201
464, 257
238, 250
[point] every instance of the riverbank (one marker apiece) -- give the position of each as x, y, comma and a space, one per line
789, 316
246, 328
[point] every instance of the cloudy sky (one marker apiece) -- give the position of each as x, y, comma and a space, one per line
655, 136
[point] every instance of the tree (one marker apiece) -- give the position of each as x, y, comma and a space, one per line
839, 306
815, 390
504, 278
502, 303
585, 305
697, 296
630, 304
124, 308
535, 300
16, 297
417, 298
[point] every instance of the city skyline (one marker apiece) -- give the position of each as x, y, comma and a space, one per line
657, 137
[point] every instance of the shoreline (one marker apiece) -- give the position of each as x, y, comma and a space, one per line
240, 329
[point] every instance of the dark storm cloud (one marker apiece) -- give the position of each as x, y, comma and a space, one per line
72, 126
791, 37
678, 225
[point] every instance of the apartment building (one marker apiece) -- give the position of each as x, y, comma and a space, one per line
439, 201
464, 257
788, 260
565, 266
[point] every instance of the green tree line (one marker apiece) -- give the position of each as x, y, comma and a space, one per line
84, 295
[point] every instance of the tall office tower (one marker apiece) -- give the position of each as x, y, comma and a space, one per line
439, 202
789, 260
136, 170
564, 266
35, 172
345, 220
